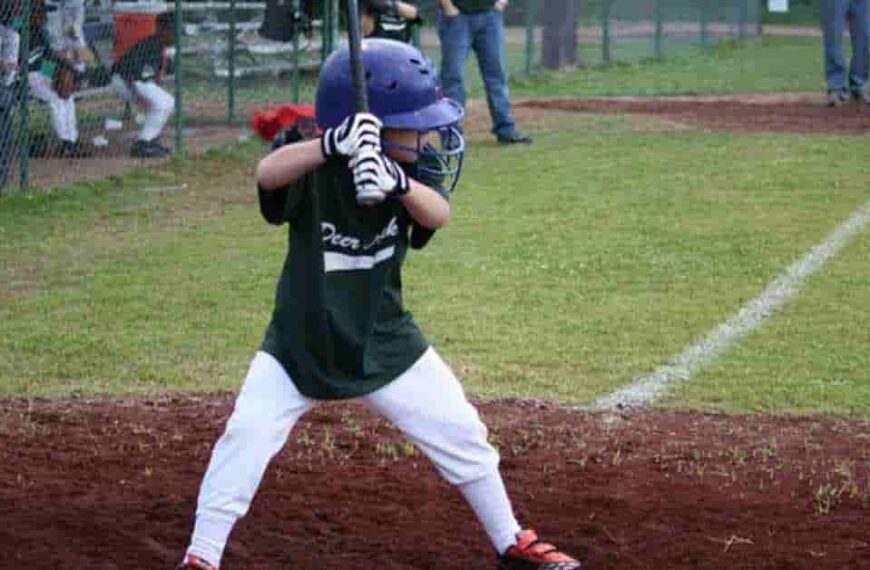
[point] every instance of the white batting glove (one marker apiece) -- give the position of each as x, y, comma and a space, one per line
360, 130
377, 177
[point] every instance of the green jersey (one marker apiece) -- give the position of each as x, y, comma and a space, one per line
471, 6
339, 327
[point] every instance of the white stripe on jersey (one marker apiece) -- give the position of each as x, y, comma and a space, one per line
333, 261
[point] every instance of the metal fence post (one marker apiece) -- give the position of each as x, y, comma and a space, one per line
296, 21
531, 18
704, 39
605, 30
744, 16
657, 46
179, 104
759, 12
24, 97
334, 25
231, 64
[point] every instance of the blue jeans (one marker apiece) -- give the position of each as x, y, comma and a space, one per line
834, 16
7, 140
484, 33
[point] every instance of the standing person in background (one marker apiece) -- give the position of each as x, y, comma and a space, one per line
479, 25
840, 84
136, 79
389, 19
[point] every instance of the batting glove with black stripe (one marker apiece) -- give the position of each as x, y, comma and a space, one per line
358, 131
377, 177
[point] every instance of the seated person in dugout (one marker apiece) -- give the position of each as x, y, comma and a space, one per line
52, 80
389, 19
136, 79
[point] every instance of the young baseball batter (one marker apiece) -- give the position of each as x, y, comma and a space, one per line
136, 79
388, 19
339, 329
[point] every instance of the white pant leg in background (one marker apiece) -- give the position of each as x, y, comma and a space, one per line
158, 104
267, 408
65, 26
122, 90
10, 43
73, 22
63, 111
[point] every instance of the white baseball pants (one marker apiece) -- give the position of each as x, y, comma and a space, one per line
426, 403
65, 26
63, 111
158, 104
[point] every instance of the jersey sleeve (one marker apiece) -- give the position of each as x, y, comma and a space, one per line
420, 236
280, 205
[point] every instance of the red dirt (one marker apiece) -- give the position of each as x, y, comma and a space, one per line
753, 113
112, 485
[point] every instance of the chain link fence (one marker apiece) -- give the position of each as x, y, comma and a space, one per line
565, 34
92, 87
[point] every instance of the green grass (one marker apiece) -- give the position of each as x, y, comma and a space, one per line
768, 65
812, 358
570, 267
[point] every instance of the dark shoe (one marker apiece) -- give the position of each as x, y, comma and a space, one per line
529, 553
837, 98
70, 149
149, 149
861, 97
192, 562
515, 137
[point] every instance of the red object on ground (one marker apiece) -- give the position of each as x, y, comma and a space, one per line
269, 122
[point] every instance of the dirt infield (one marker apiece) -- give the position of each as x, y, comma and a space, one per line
797, 113
112, 485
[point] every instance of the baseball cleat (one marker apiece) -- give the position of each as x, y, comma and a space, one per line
192, 562
529, 553
861, 97
837, 98
515, 137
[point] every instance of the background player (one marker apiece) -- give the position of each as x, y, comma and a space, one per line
53, 81
136, 79
339, 329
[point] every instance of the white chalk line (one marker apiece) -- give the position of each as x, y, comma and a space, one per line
644, 391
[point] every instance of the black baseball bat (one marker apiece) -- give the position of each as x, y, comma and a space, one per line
357, 69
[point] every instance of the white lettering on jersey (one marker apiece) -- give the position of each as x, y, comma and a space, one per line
350, 259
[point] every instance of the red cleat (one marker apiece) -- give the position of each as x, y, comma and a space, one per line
192, 562
529, 553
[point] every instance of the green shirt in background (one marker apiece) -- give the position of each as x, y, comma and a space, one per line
339, 327
470, 6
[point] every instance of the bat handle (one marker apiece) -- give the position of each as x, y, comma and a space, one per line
370, 197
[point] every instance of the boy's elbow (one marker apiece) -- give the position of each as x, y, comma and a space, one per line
264, 178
